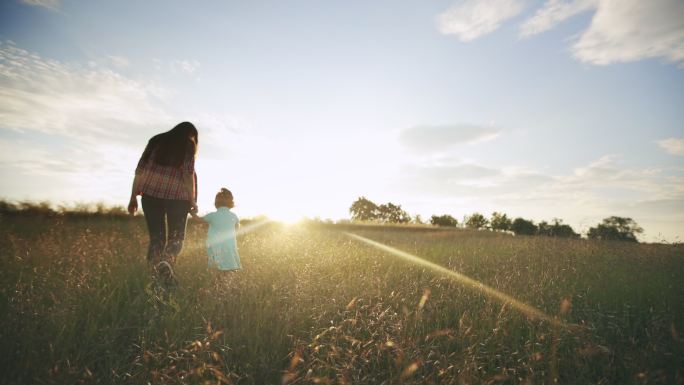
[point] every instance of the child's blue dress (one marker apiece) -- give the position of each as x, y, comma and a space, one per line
221, 242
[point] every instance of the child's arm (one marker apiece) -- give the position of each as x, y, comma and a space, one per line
193, 213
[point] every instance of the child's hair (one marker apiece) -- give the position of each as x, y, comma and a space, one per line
224, 198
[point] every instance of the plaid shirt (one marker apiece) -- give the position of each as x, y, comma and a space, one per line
167, 182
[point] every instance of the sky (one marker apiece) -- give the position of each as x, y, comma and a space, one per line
546, 109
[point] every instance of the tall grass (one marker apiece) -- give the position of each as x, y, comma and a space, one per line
78, 305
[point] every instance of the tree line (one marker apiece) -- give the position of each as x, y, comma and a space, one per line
46, 208
611, 228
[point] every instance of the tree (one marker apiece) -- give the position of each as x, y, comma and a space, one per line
476, 221
500, 222
544, 228
556, 229
418, 220
616, 229
445, 220
522, 226
391, 213
364, 210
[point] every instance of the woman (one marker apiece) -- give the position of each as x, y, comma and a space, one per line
166, 179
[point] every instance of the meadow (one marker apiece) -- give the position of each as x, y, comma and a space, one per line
315, 306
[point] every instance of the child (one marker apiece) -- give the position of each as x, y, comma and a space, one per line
223, 226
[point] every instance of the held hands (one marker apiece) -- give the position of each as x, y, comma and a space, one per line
133, 205
193, 210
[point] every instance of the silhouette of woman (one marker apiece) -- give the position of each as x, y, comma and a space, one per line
166, 179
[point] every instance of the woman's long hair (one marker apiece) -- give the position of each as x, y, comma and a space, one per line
171, 148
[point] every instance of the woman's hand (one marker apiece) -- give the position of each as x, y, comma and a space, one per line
133, 205
193, 209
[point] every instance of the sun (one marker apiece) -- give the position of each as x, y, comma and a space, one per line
288, 218
288, 214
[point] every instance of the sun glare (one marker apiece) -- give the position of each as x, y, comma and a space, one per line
288, 218
523, 307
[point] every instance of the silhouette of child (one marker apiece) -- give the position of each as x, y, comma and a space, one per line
221, 236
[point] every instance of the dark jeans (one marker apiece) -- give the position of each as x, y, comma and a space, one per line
161, 214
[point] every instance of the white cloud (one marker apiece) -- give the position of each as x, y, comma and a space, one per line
468, 179
674, 146
552, 13
629, 30
601, 168
219, 132
110, 61
187, 66
71, 171
53, 97
449, 176
582, 196
620, 30
80, 127
440, 138
471, 19
50, 4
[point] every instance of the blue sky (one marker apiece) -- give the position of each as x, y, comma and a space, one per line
540, 109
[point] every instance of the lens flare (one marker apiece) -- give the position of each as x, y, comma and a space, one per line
244, 229
252, 226
526, 309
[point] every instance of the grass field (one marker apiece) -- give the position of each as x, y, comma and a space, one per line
314, 305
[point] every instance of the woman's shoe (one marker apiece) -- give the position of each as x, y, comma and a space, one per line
165, 272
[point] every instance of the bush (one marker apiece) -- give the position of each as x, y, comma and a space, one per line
616, 229
476, 221
556, 229
500, 222
445, 220
522, 226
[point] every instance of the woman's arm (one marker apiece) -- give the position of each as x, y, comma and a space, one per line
133, 202
135, 189
190, 182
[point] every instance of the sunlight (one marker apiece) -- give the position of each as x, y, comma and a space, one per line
281, 185
526, 309
244, 229
288, 218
